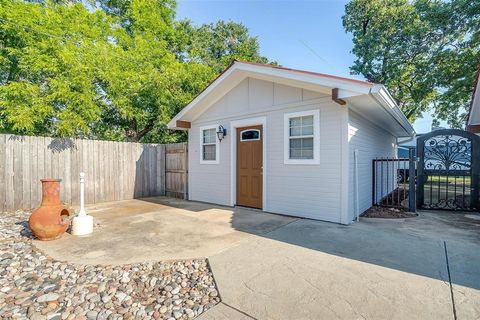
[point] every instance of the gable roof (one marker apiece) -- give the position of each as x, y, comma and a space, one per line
301, 71
370, 99
473, 120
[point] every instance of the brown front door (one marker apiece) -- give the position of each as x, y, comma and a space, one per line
250, 166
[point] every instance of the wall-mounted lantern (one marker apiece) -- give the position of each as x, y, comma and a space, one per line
221, 132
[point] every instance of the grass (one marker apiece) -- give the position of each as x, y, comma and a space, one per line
450, 179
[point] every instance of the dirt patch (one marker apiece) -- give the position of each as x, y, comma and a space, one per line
387, 213
395, 198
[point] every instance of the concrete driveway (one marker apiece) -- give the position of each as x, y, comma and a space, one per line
273, 267
422, 268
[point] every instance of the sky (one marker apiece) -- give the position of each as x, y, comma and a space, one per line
304, 35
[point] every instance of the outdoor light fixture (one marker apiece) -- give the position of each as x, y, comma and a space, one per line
221, 132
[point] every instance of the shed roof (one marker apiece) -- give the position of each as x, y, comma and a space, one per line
370, 99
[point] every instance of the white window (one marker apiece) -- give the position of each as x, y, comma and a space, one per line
302, 137
209, 145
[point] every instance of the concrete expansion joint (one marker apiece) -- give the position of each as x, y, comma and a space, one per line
450, 281
282, 226
238, 310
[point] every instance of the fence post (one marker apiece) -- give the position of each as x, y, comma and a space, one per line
185, 168
475, 171
374, 182
412, 177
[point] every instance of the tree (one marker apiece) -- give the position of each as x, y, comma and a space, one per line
218, 44
47, 80
143, 83
425, 51
118, 72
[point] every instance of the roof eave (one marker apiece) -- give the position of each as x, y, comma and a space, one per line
386, 101
352, 86
200, 96
474, 99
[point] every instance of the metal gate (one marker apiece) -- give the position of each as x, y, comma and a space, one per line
448, 170
393, 182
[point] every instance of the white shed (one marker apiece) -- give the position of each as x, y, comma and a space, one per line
291, 140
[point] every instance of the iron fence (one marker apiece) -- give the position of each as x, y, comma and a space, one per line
393, 182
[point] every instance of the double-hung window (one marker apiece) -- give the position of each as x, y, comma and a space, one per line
209, 145
301, 137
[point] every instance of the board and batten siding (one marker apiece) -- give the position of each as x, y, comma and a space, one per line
311, 191
371, 142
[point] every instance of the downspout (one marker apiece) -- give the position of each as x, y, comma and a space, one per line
355, 185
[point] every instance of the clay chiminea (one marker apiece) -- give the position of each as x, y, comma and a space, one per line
50, 220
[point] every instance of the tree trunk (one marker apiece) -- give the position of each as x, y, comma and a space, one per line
133, 134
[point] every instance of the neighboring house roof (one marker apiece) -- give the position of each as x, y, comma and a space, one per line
473, 120
367, 98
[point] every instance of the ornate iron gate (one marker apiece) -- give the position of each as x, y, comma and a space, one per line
448, 170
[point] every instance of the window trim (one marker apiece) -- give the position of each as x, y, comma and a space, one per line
259, 135
217, 145
316, 137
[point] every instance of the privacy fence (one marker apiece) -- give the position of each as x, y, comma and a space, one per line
114, 170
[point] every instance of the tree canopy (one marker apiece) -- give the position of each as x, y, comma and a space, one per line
114, 69
425, 51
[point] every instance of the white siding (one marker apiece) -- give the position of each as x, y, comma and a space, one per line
371, 142
312, 191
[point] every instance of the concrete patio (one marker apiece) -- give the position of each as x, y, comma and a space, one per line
274, 267
160, 228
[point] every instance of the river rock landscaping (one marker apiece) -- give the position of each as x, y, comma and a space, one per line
34, 286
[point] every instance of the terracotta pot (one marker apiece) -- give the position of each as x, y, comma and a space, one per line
51, 219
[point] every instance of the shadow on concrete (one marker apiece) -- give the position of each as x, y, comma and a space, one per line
415, 245
245, 219
193, 206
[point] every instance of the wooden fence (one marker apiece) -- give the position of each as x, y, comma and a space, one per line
176, 170
114, 170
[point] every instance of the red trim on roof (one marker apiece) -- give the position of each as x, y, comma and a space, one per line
306, 72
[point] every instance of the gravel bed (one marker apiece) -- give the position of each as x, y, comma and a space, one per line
34, 286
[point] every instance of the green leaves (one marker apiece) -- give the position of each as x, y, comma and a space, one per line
426, 52
120, 71
218, 44
48, 82
23, 108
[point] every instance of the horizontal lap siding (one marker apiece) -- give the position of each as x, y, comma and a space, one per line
312, 191
371, 142
208, 182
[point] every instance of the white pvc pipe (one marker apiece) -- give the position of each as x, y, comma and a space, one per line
355, 163
83, 223
82, 212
